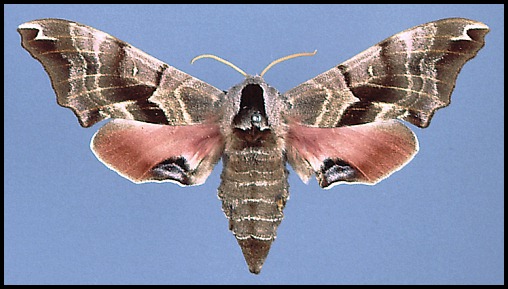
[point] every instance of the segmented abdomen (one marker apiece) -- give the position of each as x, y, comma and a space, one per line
254, 191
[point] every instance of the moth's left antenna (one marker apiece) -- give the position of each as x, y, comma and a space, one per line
286, 58
220, 60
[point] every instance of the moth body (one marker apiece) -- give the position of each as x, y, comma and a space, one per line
254, 187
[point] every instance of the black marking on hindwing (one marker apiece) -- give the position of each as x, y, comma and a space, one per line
173, 168
336, 170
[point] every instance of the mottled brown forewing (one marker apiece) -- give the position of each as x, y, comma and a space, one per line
99, 76
407, 76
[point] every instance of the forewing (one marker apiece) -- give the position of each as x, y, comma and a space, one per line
99, 76
407, 76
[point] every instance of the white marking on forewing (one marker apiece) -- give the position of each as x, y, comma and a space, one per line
465, 36
98, 39
40, 35
134, 69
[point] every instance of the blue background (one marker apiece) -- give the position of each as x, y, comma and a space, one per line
69, 219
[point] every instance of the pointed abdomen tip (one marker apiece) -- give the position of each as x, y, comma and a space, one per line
255, 252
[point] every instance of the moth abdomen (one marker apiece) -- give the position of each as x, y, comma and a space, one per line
254, 190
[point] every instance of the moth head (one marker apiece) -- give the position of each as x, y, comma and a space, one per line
255, 105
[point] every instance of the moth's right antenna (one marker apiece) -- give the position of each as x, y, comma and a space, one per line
220, 60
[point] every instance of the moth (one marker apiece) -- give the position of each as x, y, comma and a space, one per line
343, 126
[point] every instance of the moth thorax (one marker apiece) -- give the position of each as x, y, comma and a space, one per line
252, 113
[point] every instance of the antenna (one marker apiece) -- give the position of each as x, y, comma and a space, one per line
220, 60
264, 70
286, 58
